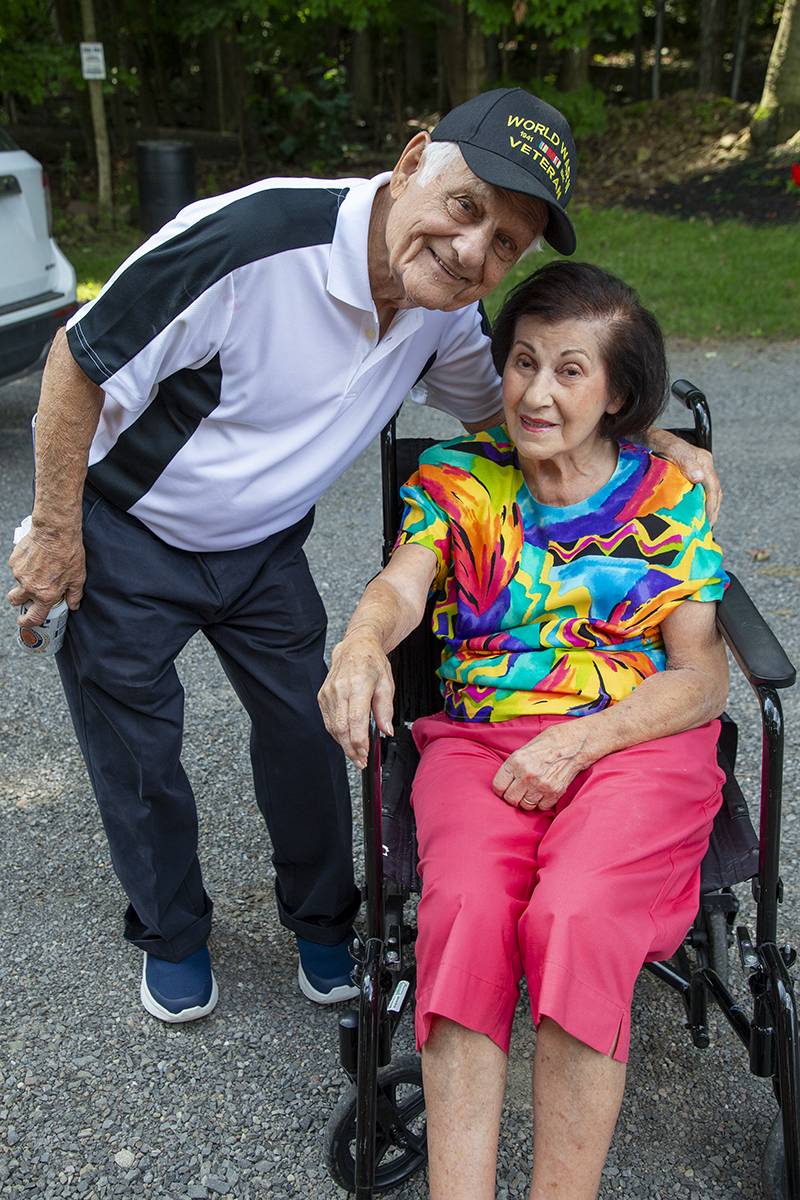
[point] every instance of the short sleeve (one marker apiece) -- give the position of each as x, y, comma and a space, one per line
463, 381
425, 524
696, 572
167, 308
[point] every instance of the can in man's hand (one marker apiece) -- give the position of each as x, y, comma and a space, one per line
47, 637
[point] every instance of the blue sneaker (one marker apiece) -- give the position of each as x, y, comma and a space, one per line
181, 991
324, 972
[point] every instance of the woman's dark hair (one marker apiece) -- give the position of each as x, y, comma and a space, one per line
632, 346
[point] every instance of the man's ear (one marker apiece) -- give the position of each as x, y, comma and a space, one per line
408, 163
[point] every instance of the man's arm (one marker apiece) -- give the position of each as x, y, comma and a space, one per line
49, 562
360, 678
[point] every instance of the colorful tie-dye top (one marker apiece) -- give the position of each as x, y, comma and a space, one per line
547, 609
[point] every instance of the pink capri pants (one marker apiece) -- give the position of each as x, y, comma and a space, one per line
576, 898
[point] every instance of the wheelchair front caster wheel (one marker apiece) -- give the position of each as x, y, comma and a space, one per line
774, 1183
400, 1139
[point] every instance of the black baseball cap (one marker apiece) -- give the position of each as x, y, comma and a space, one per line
516, 141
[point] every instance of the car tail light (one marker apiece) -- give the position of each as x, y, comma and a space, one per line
48, 204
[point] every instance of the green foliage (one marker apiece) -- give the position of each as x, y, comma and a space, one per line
32, 60
584, 108
309, 123
562, 23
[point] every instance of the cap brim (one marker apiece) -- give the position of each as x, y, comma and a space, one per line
495, 169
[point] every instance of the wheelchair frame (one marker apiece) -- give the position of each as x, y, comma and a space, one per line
386, 984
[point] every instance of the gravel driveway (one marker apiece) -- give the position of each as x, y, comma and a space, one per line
100, 1100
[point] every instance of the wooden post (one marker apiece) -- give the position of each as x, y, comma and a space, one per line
105, 204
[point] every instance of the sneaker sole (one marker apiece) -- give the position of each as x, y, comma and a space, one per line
151, 1005
345, 991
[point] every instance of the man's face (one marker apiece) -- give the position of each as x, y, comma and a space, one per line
452, 240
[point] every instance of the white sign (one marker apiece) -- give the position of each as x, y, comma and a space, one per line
93, 60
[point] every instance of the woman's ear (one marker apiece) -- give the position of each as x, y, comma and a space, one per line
614, 405
408, 164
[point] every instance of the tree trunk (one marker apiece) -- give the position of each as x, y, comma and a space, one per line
743, 14
505, 55
162, 92
361, 76
464, 49
658, 46
712, 43
105, 204
397, 90
574, 70
777, 117
476, 73
454, 51
413, 52
492, 50
119, 127
442, 92
637, 55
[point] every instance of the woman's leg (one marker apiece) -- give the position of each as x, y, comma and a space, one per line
464, 1074
477, 858
618, 883
576, 1098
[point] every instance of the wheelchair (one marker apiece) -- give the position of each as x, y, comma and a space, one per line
375, 1137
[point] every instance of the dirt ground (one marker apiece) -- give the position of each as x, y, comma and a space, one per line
687, 157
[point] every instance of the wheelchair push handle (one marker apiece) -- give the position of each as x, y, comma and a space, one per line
687, 393
693, 399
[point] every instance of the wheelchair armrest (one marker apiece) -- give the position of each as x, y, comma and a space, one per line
756, 649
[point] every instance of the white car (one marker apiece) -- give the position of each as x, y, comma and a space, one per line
37, 283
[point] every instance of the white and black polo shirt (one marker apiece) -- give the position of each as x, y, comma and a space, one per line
239, 356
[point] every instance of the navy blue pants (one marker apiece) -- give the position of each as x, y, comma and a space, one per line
261, 612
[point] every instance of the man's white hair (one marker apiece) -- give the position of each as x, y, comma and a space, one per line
436, 158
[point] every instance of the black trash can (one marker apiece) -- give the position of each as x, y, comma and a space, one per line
166, 181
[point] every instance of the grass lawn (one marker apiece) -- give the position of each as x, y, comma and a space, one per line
728, 280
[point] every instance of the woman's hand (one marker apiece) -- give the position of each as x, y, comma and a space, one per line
360, 679
538, 774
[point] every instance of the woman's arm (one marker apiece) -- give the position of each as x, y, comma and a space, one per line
691, 691
360, 677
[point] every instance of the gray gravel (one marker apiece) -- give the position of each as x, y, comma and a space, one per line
101, 1101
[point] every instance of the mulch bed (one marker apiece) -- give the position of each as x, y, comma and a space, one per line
687, 157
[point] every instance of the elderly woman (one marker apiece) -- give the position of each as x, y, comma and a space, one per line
565, 795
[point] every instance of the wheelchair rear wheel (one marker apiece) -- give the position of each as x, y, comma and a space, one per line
401, 1147
773, 1164
710, 938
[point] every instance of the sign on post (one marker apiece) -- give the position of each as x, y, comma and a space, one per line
93, 60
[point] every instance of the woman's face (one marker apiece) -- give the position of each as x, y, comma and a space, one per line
555, 388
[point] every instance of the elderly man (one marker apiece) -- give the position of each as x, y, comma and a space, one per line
231, 369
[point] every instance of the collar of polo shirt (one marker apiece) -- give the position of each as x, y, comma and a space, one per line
348, 273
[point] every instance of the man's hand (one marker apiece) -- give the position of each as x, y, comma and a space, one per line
360, 679
538, 774
696, 464
46, 568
